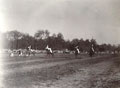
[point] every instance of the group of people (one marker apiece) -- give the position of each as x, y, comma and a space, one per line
50, 52
76, 51
91, 51
26, 52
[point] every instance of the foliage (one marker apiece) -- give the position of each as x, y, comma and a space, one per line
42, 38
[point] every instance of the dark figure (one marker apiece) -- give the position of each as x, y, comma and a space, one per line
76, 51
91, 51
20, 53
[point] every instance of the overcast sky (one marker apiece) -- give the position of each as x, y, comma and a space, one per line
73, 18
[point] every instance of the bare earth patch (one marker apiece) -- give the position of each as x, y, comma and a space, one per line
97, 72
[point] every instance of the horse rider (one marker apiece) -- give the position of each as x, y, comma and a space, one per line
49, 51
76, 51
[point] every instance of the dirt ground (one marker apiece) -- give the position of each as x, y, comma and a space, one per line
61, 71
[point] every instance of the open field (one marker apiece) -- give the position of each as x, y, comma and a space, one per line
60, 71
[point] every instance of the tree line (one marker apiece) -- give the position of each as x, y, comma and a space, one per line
18, 40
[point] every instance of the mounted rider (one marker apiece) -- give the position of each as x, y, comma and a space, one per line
77, 51
49, 50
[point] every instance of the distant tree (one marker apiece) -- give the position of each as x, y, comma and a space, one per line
26, 41
52, 41
46, 34
75, 42
118, 49
82, 45
13, 36
114, 49
40, 38
39, 34
102, 48
60, 36
56, 41
68, 45
54, 35
87, 44
94, 43
60, 43
15, 40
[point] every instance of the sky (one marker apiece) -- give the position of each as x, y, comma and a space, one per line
85, 19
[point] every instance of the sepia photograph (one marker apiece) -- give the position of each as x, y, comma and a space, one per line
59, 43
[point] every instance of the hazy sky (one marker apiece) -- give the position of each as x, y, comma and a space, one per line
73, 18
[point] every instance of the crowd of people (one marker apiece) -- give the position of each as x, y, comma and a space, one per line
49, 51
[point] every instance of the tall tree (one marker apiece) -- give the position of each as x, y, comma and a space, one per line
46, 34
39, 34
42, 34
60, 36
13, 36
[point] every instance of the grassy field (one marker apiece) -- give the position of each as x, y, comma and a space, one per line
61, 71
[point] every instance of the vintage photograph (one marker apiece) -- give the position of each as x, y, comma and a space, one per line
59, 43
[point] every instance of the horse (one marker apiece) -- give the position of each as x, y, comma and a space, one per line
76, 51
49, 51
